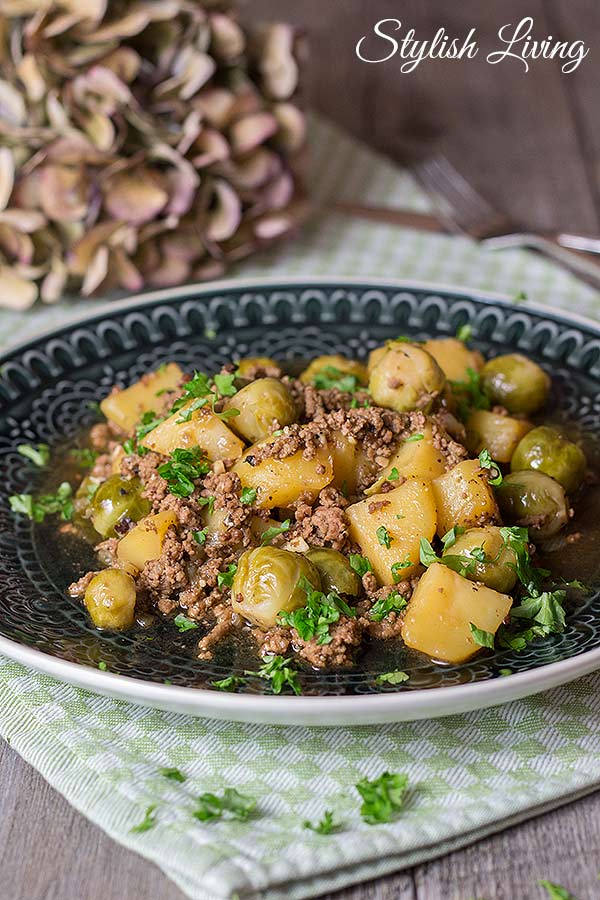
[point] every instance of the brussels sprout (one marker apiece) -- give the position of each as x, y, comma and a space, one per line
485, 556
266, 582
110, 599
335, 570
515, 382
546, 450
263, 406
534, 500
334, 367
406, 377
117, 499
247, 368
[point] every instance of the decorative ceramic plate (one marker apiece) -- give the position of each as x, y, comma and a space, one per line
48, 389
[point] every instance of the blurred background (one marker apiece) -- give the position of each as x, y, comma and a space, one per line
528, 140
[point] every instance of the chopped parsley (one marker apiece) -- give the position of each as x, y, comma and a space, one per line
394, 602
413, 438
129, 446
330, 377
202, 390
172, 774
464, 333
102, 666
236, 805
182, 470
37, 508
225, 579
555, 891
230, 683
274, 531
148, 423
427, 554
209, 503
360, 564
486, 462
470, 394
39, 454
248, 496
396, 677
277, 670
397, 567
382, 797
84, 456
481, 637
449, 539
148, 822
319, 613
393, 474
384, 537
200, 536
326, 825
182, 623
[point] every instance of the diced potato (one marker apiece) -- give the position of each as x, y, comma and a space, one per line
145, 541
341, 363
204, 430
116, 458
262, 406
125, 408
280, 482
498, 434
401, 518
110, 599
351, 465
454, 357
463, 497
444, 604
413, 459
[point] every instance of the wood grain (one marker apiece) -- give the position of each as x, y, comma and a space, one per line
531, 141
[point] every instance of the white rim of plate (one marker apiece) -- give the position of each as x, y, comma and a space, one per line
289, 709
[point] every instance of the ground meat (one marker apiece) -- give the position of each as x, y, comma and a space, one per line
450, 450
346, 636
99, 436
226, 619
78, 588
276, 641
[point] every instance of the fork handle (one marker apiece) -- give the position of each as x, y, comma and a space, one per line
580, 265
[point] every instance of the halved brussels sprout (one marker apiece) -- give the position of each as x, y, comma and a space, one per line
486, 557
546, 450
534, 500
117, 499
516, 382
406, 377
110, 599
335, 570
263, 405
334, 367
266, 583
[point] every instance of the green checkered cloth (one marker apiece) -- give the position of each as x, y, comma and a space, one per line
470, 775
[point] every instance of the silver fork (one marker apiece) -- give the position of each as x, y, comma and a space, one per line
465, 211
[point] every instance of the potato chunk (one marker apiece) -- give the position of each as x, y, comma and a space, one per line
498, 434
464, 497
280, 482
110, 599
204, 429
351, 465
413, 459
145, 541
125, 408
454, 358
444, 604
399, 519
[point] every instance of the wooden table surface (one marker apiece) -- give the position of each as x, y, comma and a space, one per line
531, 141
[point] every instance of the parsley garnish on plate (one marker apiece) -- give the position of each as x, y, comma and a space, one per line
230, 683
319, 613
84, 456
102, 666
148, 423
182, 623
172, 774
481, 637
248, 496
225, 579
148, 822
39, 454
394, 602
384, 537
464, 333
183, 469
413, 438
360, 564
382, 797
277, 670
486, 462
37, 508
274, 531
326, 825
555, 891
200, 536
470, 394
397, 567
330, 377
396, 677
232, 803
209, 502
393, 474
